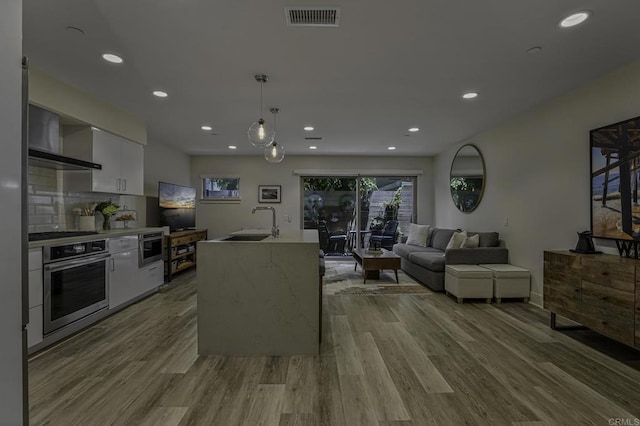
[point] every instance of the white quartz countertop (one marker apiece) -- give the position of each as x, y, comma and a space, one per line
286, 236
113, 233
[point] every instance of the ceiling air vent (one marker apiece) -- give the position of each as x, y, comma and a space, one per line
312, 16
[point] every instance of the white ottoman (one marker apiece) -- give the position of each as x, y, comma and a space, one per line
509, 281
468, 282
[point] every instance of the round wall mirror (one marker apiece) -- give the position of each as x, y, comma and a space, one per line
467, 178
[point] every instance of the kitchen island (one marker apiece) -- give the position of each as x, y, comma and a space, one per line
259, 296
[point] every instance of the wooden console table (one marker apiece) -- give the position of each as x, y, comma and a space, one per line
599, 291
180, 250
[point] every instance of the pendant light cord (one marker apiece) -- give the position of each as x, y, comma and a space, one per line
260, 114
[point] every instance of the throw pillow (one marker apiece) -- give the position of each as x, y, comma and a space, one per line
418, 235
457, 239
471, 242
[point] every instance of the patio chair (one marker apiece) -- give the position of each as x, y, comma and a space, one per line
387, 237
335, 243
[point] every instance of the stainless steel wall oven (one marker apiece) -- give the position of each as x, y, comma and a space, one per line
150, 248
76, 282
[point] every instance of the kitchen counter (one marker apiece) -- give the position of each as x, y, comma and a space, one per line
259, 297
113, 233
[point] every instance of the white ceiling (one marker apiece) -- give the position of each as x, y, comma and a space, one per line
390, 65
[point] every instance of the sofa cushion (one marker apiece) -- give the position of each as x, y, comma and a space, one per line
418, 235
433, 260
457, 239
487, 239
404, 250
471, 242
440, 238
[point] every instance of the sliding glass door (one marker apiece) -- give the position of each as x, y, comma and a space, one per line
329, 205
352, 212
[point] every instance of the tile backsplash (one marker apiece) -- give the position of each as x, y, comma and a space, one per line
50, 207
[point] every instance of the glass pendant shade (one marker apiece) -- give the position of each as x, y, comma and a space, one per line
260, 133
274, 153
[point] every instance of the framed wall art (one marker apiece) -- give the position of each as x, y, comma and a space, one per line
615, 174
269, 193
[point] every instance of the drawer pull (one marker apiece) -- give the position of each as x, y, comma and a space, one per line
604, 323
605, 273
605, 298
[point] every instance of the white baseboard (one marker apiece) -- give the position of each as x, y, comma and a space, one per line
536, 299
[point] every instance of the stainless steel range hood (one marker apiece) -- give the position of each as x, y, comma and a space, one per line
44, 143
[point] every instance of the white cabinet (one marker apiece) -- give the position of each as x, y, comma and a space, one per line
123, 270
34, 327
122, 161
151, 276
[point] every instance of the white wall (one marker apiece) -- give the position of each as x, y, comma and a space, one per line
164, 163
65, 99
538, 171
11, 350
161, 163
220, 219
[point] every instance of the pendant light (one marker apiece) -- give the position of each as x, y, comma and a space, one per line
260, 133
274, 153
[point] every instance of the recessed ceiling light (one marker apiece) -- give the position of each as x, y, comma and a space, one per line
308, 128
110, 57
160, 93
414, 129
205, 127
575, 19
391, 148
470, 95
313, 147
232, 147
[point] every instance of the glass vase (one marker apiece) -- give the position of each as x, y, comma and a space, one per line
106, 225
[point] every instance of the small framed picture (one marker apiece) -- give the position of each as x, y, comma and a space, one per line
269, 193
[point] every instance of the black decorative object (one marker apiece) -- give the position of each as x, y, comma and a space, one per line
585, 244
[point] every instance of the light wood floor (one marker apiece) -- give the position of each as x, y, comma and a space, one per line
386, 360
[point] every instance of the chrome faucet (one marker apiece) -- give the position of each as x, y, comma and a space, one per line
275, 232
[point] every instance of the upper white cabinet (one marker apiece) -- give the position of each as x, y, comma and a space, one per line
122, 161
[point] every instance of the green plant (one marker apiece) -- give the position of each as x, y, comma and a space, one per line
394, 201
107, 208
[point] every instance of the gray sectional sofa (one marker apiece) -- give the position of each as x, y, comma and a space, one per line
427, 264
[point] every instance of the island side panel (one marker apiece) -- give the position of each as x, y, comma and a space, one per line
258, 298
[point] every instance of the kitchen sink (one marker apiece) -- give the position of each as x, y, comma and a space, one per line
245, 238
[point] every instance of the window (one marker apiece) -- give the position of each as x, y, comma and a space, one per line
220, 188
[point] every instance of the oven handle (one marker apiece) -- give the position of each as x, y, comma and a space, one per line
150, 236
76, 262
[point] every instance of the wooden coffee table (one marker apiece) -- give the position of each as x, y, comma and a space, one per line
372, 263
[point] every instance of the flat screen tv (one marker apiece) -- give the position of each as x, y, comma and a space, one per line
177, 206
615, 173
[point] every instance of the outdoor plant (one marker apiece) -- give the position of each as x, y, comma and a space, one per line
395, 201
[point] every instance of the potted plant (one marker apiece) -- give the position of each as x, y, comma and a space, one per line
107, 209
391, 205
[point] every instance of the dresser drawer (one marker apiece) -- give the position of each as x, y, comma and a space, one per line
613, 327
618, 275
608, 300
638, 317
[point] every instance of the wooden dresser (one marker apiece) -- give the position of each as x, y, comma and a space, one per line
599, 291
180, 250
